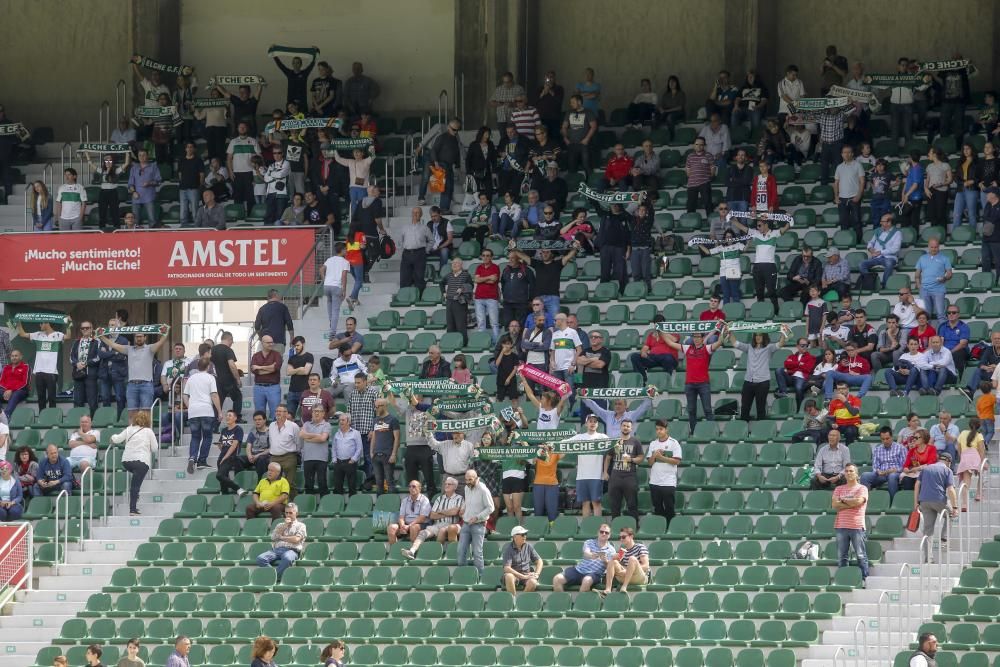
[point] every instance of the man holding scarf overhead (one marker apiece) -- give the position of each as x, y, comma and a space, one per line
139, 391
47, 342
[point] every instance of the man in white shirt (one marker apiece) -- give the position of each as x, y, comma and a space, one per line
848, 185
334, 272
345, 367
48, 343
883, 249
201, 398
83, 445
907, 310
283, 436
241, 148
941, 368
276, 179
590, 471
664, 458
71, 202
563, 351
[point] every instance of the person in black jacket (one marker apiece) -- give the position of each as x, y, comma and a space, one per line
517, 283
614, 240
513, 156
86, 365
739, 181
954, 98
297, 79
8, 142
553, 190
481, 161
446, 153
805, 270
991, 232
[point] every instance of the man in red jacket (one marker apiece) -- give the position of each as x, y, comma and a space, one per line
14, 382
852, 370
798, 367
618, 171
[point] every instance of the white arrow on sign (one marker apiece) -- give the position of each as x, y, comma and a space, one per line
110, 294
208, 291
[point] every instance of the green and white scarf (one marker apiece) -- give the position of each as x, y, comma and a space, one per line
761, 215
442, 405
759, 327
301, 124
149, 63
893, 80
237, 80
362, 143
534, 244
148, 329
491, 422
611, 197
537, 436
14, 129
856, 96
690, 327
209, 102
277, 50
820, 104
617, 392
116, 149
38, 318
947, 65
154, 112
509, 453
584, 447
698, 240
431, 388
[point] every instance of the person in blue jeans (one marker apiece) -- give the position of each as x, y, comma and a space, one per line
967, 195
478, 508
887, 463
201, 397
852, 370
287, 540
933, 271
850, 500
940, 368
908, 371
883, 248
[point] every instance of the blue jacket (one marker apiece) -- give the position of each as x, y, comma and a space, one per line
62, 466
16, 495
114, 365
45, 218
93, 358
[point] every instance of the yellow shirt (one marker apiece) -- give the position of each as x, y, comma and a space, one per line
269, 491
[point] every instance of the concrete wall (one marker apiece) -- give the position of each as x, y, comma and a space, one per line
628, 40
408, 47
879, 33
61, 59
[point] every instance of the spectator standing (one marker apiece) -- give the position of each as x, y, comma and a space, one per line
550, 103
790, 90
831, 461
831, 137
458, 288
697, 356
478, 508
273, 319
933, 271
361, 405
717, 141
446, 154
84, 359
757, 382
504, 96
141, 356
578, 129
71, 202
614, 240
229, 461
360, 91
912, 193
287, 540
179, 656
480, 163
590, 91
283, 435
416, 238
937, 181
523, 117
241, 149
316, 447
955, 96
848, 186
850, 500
765, 269
620, 472
967, 196
486, 294
517, 284
384, 448
888, 458
664, 458
204, 410
265, 366
297, 78
935, 493
700, 167
298, 369
348, 450
739, 180
991, 223
972, 453
901, 107
191, 173
228, 376
137, 455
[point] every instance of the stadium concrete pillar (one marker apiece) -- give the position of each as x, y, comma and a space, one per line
154, 31
491, 37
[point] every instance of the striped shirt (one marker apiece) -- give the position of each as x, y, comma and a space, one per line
525, 121
699, 168
852, 518
443, 503
458, 287
595, 566
637, 551
884, 458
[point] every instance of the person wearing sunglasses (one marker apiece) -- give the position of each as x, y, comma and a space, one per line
597, 553
86, 365
630, 564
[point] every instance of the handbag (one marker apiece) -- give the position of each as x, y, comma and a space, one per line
437, 180
913, 523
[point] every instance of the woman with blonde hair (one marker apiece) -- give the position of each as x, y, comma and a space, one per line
333, 654
137, 457
264, 649
40, 204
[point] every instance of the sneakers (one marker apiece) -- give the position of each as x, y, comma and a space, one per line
780, 394
190, 468
407, 554
241, 492
134, 513
421, 202
814, 390
968, 393
203, 465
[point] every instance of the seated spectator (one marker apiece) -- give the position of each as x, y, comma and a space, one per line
923, 332
796, 369
862, 334
597, 553
804, 271
348, 450
920, 455
270, 495
618, 170
83, 445
258, 450
434, 367
580, 229
717, 141
908, 370
287, 541
845, 315
955, 336
345, 367
891, 345
456, 454
646, 168
481, 219
230, 461
26, 469
213, 214
907, 309
814, 424
93, 655
826, 365
853, 370
4, 438
883, 248
846, 412
11, 494
55, 474
521, 563
944, 435
349, 336
263, 652
907, 434
887, 463
554, 190
655, 352
414, 515
14, 379
988, 362
836, 274
630, 564
831, 459
531, 212
445, 513
940, 371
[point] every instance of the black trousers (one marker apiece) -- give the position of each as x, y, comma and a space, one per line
795, 290
215, 137
577, 156
46, 386
233, 392
314, 473
937, 208
139, 471
513, 311
243, 189
663, 501
7, 178
765, 280
107, 208
85, 391
829, 158
703, 192
419, 460
342, 469
756, 392
232, 465
623, 486
613, 266
412, 265
457, 318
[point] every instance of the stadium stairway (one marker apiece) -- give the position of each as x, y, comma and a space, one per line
34, 618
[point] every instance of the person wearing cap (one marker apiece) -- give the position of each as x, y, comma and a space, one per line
836, 274
521, 563
991, 224
934, 493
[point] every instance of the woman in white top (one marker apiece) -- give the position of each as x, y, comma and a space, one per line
643, 106
509, 218
827, 364
358, 171
216, 126
109, 175
137, 456
549, 406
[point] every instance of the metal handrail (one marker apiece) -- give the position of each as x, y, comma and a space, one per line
66, 150
104, 122
28, 220
864, 638
836, 656
297, 277
157, 404
27, 579
86, 499
964, 539
878, 622
85, 136
174, 435
63, 497
121, 99
443, 108
109, 465
48, 170
903, 609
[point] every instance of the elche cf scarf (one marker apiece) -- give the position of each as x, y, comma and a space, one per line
568, 447
689, 327
301, 124
491, 422
14, 129
237, 80
856, 96
611, 197
759, 327
430, 388
699, 240
38, 318
160, 329
362, 143
617, 392
760, 215
278, 50
209, 102
535, 244
442, 405
107, 149
818, 105
538, 436
149, 63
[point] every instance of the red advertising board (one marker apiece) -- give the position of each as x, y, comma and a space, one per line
155, 259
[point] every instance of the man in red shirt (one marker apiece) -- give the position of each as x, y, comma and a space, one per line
655, 352
14, 382
852, 370
486, 294
798, 367
846, 412
265, 365
714, 312
696, 382
618, 171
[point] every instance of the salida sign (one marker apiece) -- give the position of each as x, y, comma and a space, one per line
155, 259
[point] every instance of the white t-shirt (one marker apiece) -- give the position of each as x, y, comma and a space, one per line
764, 246
242, 149
661, 473
589, 466
335, 267
996, 378
73, 198
4, 431
564, 344
199, 390
907, 314
47, 348
548, 420
84, 451
760, 193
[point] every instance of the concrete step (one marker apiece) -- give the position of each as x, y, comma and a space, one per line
123, 520
20, 652
138, 532
78, 570
70, 583
36, 622
67, 597
92, 556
